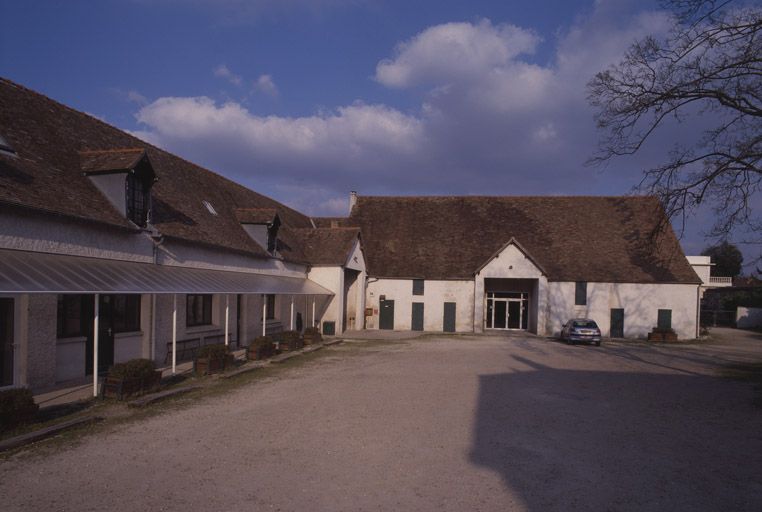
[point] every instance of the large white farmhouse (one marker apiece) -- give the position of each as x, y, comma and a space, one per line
473, 264
112, 249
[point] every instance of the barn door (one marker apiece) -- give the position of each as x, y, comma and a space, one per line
449, 317
386, 315
617, 323
417, 324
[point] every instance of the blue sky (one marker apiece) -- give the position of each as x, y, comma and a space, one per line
305, 100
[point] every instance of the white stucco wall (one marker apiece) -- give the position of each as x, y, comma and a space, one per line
702, 266
435, 294
113, 186
332, 308
640, 302
54, 235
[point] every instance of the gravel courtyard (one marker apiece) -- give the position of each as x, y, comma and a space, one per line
437, 423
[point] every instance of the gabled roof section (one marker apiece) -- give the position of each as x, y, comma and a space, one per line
516, 244
257, 215
110, 160
604, 239
328, 246
47, 175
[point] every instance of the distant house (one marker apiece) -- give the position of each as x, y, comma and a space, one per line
474, 264
97, 224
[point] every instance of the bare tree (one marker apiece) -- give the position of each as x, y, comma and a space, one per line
707, 70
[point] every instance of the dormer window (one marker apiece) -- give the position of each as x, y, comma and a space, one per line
125, 177
262, 226
138, 199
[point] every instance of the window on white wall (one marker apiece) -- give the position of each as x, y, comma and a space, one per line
417, 286
580, 293
198, 310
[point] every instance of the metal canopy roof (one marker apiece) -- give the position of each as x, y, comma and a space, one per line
34, 272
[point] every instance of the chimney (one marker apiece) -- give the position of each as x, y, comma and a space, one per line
352, 200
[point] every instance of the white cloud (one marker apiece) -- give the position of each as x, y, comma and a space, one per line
266, 85
455, 52
492, 120
222, 71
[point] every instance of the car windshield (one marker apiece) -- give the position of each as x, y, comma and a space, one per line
585, 324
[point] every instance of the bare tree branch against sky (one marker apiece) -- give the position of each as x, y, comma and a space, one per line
706, 71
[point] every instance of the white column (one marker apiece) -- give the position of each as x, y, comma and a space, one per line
292, 312
227, 319
174, 333
314, 324
95, 344
264, 315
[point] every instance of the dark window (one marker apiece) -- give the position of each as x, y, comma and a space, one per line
417, 286
71, 315
664, 319
580, 293
272, 239
270, 307
137, 194
126, 310
198, 310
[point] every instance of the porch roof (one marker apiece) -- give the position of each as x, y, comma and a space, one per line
34, 272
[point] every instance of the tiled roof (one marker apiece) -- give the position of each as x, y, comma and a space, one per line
256, 215
605, 239
47, 175
327, 246
110, 160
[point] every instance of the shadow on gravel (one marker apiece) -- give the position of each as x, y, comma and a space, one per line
587, 440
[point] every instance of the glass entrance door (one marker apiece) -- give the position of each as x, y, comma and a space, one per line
507, 310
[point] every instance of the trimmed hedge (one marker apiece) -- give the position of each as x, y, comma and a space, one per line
216, 351
289, 340
16, 408
133, 369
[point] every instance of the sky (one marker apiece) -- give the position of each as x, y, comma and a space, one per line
306, 100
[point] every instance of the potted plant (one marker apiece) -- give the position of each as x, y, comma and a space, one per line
17, 407
288, 341
135, 377
312, 335
212, 359
261, 348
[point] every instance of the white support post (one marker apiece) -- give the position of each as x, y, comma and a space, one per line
96, 321
264, 315
292, 312
227, 319
174, 334
314, 323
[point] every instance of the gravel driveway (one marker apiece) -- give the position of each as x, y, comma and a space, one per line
451, 423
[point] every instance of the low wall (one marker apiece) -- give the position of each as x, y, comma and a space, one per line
748, 318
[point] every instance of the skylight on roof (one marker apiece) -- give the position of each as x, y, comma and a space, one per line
209, 207
5, 147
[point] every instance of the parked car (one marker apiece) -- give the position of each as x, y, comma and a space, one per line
581, 329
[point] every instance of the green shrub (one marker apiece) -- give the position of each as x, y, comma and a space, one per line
16, 408
262, 341
216, 351
313, 332
133, 369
